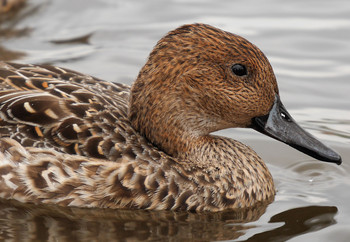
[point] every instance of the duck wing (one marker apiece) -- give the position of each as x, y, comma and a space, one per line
65, 139
51, 107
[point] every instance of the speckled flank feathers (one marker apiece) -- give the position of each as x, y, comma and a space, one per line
74, 140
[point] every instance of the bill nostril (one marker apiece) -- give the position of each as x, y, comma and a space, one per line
286, 117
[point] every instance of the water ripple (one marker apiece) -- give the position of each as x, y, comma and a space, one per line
329, 124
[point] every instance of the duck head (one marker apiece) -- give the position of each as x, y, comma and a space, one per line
199, 79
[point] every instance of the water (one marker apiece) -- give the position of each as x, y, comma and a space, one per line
308, 45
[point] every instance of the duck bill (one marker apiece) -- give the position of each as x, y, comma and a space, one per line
279, 125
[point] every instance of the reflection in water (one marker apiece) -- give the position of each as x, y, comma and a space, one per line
13, 12
323, 125
9, 32
9, 6
22, 221
84, 39
7, 55
298, 221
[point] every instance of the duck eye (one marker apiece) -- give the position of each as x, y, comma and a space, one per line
239, 69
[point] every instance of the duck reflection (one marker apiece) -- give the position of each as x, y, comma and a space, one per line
298, 221
22, 221
9, 6
11, 13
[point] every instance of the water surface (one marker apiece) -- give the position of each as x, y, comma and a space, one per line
308, 44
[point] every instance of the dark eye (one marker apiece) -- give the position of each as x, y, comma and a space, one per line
239, 69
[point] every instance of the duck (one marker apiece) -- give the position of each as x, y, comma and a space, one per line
10, 5
73, 140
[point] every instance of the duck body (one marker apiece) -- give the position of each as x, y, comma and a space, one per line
74, 140
10, 5
94, 158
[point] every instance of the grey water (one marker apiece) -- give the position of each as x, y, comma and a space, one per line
308, 45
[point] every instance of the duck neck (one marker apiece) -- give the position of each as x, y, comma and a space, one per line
172, 133
160, 113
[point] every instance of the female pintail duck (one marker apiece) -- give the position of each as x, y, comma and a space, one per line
10, 5
74, 140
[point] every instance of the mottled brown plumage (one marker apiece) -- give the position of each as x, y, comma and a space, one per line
10, 5
74, 140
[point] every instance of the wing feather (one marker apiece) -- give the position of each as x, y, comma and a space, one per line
46, 106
